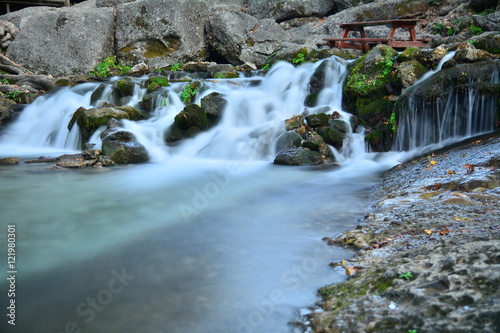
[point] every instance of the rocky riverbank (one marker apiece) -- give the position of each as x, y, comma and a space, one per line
429, 252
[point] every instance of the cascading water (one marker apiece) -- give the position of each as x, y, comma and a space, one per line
253, 118
210, 237
465, 110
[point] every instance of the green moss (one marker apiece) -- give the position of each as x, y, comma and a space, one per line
156, 82
365, 80
407, 54
371, 112
109, 67
226, 75
189, 92
125, 87
301, 57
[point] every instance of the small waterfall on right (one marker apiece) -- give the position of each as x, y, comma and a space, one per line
452, 104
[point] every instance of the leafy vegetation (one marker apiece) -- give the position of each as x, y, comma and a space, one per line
109, 67
476, 30
177, 66
406, 276
270, 61
189, 92
392, 121
16, 96
300, 57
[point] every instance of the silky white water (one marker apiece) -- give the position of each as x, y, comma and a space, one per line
209, 236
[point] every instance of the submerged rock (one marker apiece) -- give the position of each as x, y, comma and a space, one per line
9, 161
288, 140
298, 156
122, 147
86, 159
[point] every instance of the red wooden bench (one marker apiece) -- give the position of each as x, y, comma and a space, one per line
365, 44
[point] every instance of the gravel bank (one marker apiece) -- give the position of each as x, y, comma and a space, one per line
429, 252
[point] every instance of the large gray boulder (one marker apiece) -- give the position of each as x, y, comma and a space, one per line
380, 10
280, 10
160, 32
64, 41
241, 38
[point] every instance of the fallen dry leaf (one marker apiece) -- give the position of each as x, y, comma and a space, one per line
451, 172
428, 232
352, 270
444, 232
469, 167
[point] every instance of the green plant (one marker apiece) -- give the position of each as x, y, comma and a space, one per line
14, 95
269, 61
407, 276
412, 331
4, 81
176, 67
300, 58
109, 67
487, 11
476, 30
392, 121
189, 91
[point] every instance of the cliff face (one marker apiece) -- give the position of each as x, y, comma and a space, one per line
160, 33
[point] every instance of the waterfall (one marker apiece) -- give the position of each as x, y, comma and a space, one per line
252, 119
456, 109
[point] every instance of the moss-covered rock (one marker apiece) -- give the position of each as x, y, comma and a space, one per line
370, 74
89, 120
317, 119
192, 115
187, 123
372, 112
331, 136
312, 141
489, 41
295, 122
156, 82
408, 72
123, 148
430, 57
407, 54
6, 110
125, 87
226, 75
467, 52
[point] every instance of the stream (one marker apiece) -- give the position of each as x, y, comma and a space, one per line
209, 236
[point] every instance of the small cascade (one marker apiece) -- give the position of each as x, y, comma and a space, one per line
251, 121
461, 109
43, 124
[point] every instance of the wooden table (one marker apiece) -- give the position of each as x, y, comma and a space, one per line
365, 43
